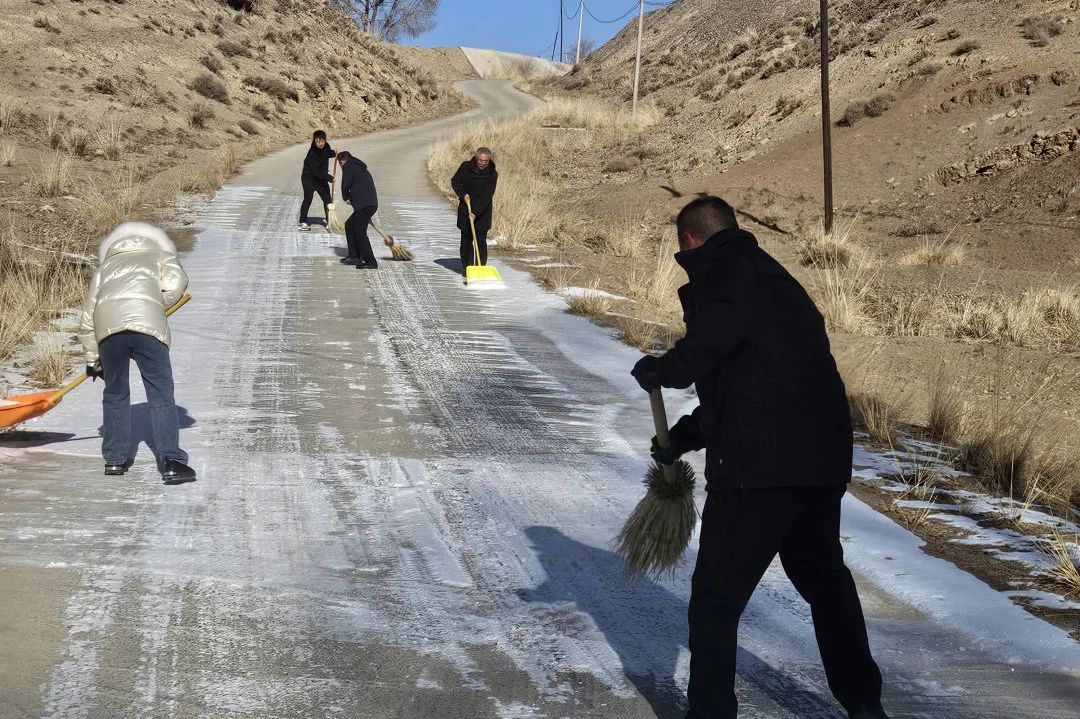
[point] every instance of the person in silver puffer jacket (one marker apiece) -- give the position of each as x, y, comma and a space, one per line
139, 276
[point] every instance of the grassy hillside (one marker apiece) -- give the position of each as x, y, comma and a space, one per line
109, 110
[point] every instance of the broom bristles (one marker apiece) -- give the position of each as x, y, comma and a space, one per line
333, 223
398, 252
656, 534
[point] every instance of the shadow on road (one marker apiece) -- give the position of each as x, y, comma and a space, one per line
142, 432
638, 620
23, 439
451, 263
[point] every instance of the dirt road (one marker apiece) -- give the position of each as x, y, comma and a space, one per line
407, 489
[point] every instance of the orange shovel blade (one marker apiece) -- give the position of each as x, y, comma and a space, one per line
20, 408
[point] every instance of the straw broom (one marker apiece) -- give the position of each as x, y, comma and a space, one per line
659, 529
399, 253
333, 222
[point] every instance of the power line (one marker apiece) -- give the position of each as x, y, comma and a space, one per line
617, 19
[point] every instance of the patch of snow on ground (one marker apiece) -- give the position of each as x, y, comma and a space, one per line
588, 292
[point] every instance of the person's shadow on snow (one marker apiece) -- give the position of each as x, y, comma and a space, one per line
451, 263
646, 625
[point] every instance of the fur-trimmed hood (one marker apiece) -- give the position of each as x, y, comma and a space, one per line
135, 236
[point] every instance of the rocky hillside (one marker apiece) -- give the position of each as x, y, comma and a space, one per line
949, 114
100, 93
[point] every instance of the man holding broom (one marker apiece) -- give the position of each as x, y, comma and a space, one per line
358, 190
775, 424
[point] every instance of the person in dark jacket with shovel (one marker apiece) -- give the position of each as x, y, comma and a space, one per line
358, 190
775, 424
475, 181
315, 177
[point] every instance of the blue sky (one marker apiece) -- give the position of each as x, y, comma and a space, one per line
524, 26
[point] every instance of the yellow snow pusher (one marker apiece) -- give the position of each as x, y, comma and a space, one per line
477, 272
23, 407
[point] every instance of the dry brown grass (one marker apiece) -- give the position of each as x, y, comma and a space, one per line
1065, 553
109, 140
105, 207
835, 249
842, 297
590, 302
8, 150
945, 415
55, 128
940, 254
34, 284
54, 175
8, 116
50, 362
875, 416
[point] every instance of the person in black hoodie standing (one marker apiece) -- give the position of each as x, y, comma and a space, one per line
475, 180
315, 177
358, 190
775, 423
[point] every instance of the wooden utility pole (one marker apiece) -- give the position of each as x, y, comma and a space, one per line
580, 23
637, 63
826, 117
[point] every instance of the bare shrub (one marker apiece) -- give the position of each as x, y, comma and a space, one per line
1064, 553
8, 116
953, 34
54, 176
212, 62
832, 250
925, 21
231, 48
843, 300
874, 107
262, 111
140, 96
211, 88
919, 226
966, 48
739, 117
928, 69
620, 164
786, 105
249, 127
273, 86
201, 114
46, 23
1040, 30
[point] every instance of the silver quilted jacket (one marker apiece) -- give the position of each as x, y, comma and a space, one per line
139, 276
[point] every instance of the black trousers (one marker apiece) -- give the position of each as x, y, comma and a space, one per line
311, 186
356, 234
467, 250
741, 532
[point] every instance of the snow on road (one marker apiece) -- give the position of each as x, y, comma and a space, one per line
407, 492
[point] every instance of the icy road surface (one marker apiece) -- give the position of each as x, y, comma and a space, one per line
406, 495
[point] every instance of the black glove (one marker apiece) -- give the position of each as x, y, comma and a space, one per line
647, 373
93, 371
669, 454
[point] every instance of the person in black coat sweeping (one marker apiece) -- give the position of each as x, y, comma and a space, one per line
358, 190
315, 177
475, 180
775, 424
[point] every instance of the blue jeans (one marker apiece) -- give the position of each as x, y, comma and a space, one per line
152, 357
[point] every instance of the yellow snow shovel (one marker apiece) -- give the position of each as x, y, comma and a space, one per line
477, 272
20, 408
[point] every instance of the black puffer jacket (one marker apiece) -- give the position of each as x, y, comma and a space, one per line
357, 185
316, 163
479, 185
774, 410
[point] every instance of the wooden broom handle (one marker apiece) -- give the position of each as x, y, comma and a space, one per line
59, 394
659, 415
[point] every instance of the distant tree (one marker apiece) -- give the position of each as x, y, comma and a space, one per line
392, 20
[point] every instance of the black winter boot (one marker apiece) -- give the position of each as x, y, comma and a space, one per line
875, 711
176, 472
117, 469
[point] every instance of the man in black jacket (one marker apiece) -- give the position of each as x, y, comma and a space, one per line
358, 190
774, 420
475, 180
315, 177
